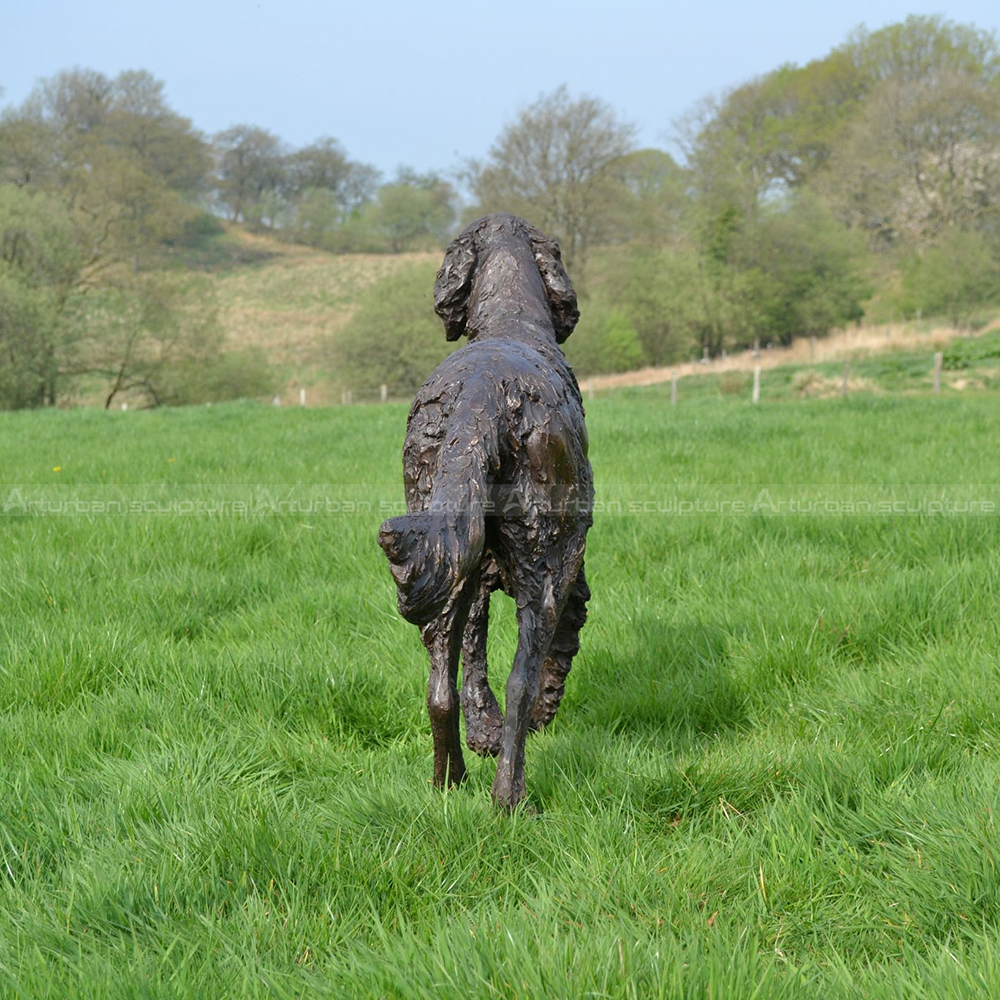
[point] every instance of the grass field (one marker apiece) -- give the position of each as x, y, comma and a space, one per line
776, 772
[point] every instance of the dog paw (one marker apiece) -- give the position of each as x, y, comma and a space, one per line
483, 721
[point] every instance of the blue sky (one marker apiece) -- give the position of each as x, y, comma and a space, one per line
430, 83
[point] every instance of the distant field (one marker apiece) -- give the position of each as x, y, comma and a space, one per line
903, 366
776, 772
870, 350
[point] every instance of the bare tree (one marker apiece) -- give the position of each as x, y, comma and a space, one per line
551, 165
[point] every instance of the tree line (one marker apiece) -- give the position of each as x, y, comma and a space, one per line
867, 181
864, 183
318, 196
100, 179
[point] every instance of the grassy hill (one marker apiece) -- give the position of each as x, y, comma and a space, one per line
291, 300
775, 772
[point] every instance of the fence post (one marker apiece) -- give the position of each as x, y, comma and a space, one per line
847, 373
673, 387
276, 401
812, 348
302, 397
384, 392
756, 384
938, 361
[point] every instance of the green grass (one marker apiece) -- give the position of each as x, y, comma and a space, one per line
776, 772
973, 361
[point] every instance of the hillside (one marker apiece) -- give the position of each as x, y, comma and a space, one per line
292, 301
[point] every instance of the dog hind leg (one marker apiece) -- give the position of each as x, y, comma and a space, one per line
565, 645
483, 718
539, 604
443, 639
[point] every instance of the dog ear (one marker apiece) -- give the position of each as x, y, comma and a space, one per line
562, 297
452, 285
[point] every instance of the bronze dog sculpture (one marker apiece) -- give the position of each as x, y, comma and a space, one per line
500, 495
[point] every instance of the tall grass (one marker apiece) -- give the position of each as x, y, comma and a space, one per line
776, 772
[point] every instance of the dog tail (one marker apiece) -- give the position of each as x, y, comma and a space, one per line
431, 552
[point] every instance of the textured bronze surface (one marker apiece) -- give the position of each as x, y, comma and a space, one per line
500, 495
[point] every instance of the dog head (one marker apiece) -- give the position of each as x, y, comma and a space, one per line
454, 280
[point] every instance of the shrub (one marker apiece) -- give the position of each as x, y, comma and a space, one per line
733, 383
604, 341
394, 338
807, 382
238, 374
955, 278
962, 354
201, 226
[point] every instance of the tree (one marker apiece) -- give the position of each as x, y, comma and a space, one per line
415, 210
25, 321
957, 276
72, 115
308, 195
923, 153
552, 165
811, 105
317, 214
653, 196
26, 153
103, 173
250, 165
920, 158
604, 341
772, 133
325, 166
734, 147
122, 161
657, 291
321, 165
157, 336
922, 46
164, 144
40, 262
810, 265
325, 189
681, 302
402, 214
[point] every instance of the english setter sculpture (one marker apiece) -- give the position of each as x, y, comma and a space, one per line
500, 495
